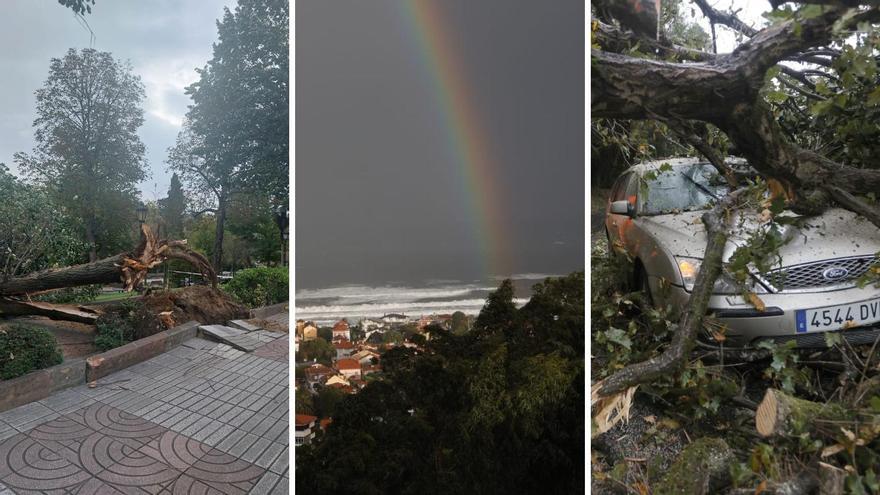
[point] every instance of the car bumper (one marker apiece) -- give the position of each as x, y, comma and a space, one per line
778, 322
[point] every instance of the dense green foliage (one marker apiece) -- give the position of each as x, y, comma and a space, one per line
127, 322
25, 348
112, 331
220, 158
35, 233
499, 409
256, 287
68, 295
88, 155
318, 349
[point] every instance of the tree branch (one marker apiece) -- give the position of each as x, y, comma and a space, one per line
727, 19
673, 359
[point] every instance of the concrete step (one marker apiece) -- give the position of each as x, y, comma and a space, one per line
234, 337
244, 325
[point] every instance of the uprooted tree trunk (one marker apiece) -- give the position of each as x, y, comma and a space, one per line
130, 269
723, 90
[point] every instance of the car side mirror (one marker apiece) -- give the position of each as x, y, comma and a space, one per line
622, 207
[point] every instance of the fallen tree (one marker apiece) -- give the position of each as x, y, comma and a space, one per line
130, 269
724, 90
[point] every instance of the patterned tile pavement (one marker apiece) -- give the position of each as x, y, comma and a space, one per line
203, 418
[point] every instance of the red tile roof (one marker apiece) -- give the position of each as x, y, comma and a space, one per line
305, 419
348, 364
343, 344
341, 326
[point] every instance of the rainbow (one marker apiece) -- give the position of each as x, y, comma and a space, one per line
467, 140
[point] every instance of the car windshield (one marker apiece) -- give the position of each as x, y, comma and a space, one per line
681, 188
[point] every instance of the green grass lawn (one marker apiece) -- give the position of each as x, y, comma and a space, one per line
113, 296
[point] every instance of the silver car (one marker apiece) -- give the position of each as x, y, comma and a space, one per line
653, 214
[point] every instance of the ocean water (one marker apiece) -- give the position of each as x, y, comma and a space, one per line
356, 301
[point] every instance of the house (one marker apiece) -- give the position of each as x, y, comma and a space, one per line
395, 319
368, 324
343, 348
349, 367
365, 356
306, 425
318, 374
341, 330
310, 331
336, 379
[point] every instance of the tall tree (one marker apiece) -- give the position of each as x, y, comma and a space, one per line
236, 134
88, 154
172, 208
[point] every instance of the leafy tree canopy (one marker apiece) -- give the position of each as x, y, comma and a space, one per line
470, 414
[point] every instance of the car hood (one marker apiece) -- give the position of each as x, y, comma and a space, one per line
837, 233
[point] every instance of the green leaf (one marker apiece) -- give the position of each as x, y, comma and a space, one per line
874, 96
832, 338
619, 337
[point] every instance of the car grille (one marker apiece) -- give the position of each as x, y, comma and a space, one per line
860, 336
813, 275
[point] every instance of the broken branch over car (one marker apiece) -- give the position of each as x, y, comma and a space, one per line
725, 91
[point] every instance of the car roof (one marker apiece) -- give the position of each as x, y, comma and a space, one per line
641, 168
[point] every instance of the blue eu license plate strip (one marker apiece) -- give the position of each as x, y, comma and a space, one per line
801, 316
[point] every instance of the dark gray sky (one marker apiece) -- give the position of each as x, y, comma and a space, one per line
165, 40
379, 197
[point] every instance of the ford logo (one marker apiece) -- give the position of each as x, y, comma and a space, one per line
835, 273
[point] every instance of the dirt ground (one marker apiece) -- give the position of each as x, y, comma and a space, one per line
75, 339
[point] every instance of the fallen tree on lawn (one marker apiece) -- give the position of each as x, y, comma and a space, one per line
130, 269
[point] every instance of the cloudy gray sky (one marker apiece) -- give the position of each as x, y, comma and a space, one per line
165, 40
379, 195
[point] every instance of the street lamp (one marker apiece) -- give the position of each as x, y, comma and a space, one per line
141, 211
282, 216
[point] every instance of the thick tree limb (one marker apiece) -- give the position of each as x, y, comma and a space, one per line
854, 204
690, 134
725, 93
673, 359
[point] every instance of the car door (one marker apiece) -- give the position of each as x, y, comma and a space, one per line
618, 225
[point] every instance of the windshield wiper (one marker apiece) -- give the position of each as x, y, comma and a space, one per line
702, 187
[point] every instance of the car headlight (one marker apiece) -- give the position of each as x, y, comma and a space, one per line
725, 284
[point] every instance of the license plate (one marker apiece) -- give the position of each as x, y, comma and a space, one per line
837, 317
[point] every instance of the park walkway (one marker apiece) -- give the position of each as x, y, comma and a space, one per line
200, 418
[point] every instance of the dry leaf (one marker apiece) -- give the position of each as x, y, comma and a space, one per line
831, 450
850, 435
762, 487
756, 301
650, 419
